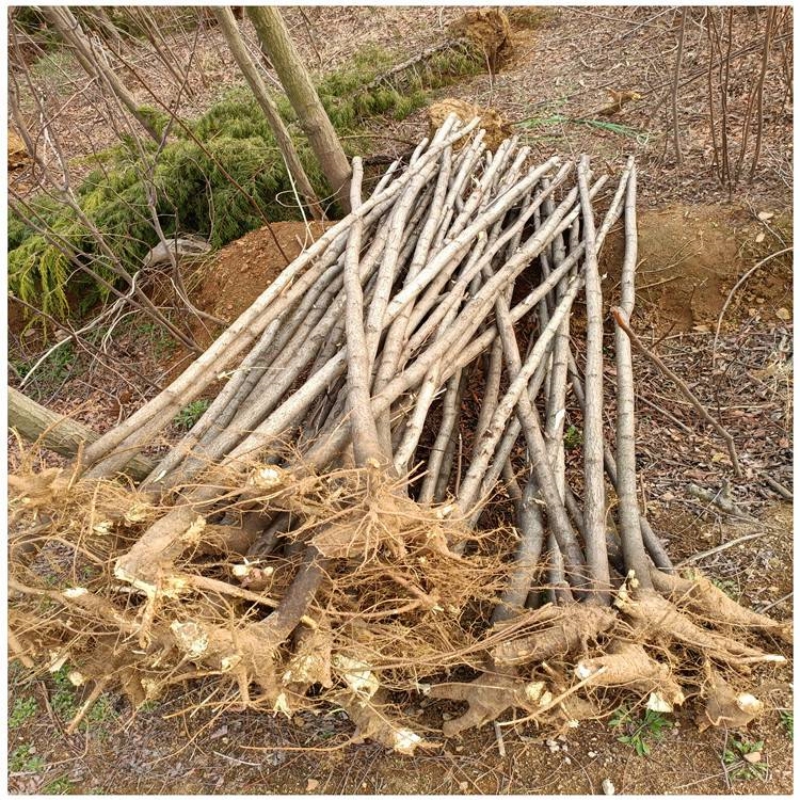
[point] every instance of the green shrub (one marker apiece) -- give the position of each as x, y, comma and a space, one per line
191, 179
187, 417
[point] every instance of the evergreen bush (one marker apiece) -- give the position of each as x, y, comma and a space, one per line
192, 188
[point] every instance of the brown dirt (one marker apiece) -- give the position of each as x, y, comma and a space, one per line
568, 60
690, 257
240, 271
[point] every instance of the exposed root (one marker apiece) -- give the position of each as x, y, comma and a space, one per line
380, 604
628, 666
152, 558
245, 653
374, 720
489, 696
310, 663
726, 707
562, 631
708, 601
39, 490
655, 618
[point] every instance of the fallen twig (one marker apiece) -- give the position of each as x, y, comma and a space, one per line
619, 317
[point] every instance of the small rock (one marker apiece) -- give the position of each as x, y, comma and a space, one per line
312, 785
765, 216
752, 758
608, 787
219, 733
446, 717
592, 754
567, 760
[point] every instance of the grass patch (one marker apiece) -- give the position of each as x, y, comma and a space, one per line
729, 586
24, 759
25, 708
187, 417
616, 128
742, 760
52, 373
162, 344
573, 438
65, 703
61, 785
787, 721
63, 698
639, 731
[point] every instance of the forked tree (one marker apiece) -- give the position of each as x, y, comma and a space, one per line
277, 43
229, 28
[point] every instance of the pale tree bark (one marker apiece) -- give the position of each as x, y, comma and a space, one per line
229, 28
366, 444
629, 522
275, 40
594, 514
95, 63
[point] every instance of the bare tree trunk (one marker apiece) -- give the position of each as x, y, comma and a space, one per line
275, 39
366, 443
227, 23
63, 435
86, 53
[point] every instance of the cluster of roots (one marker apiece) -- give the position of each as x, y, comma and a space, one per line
139, 597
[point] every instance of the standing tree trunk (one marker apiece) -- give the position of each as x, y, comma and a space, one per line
94, 64
275, 40
227, 23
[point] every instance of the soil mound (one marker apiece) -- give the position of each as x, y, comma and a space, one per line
489, 30
689, 258
241, 270
18, 155
497, 129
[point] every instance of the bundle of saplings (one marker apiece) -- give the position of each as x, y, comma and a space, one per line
375, 506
